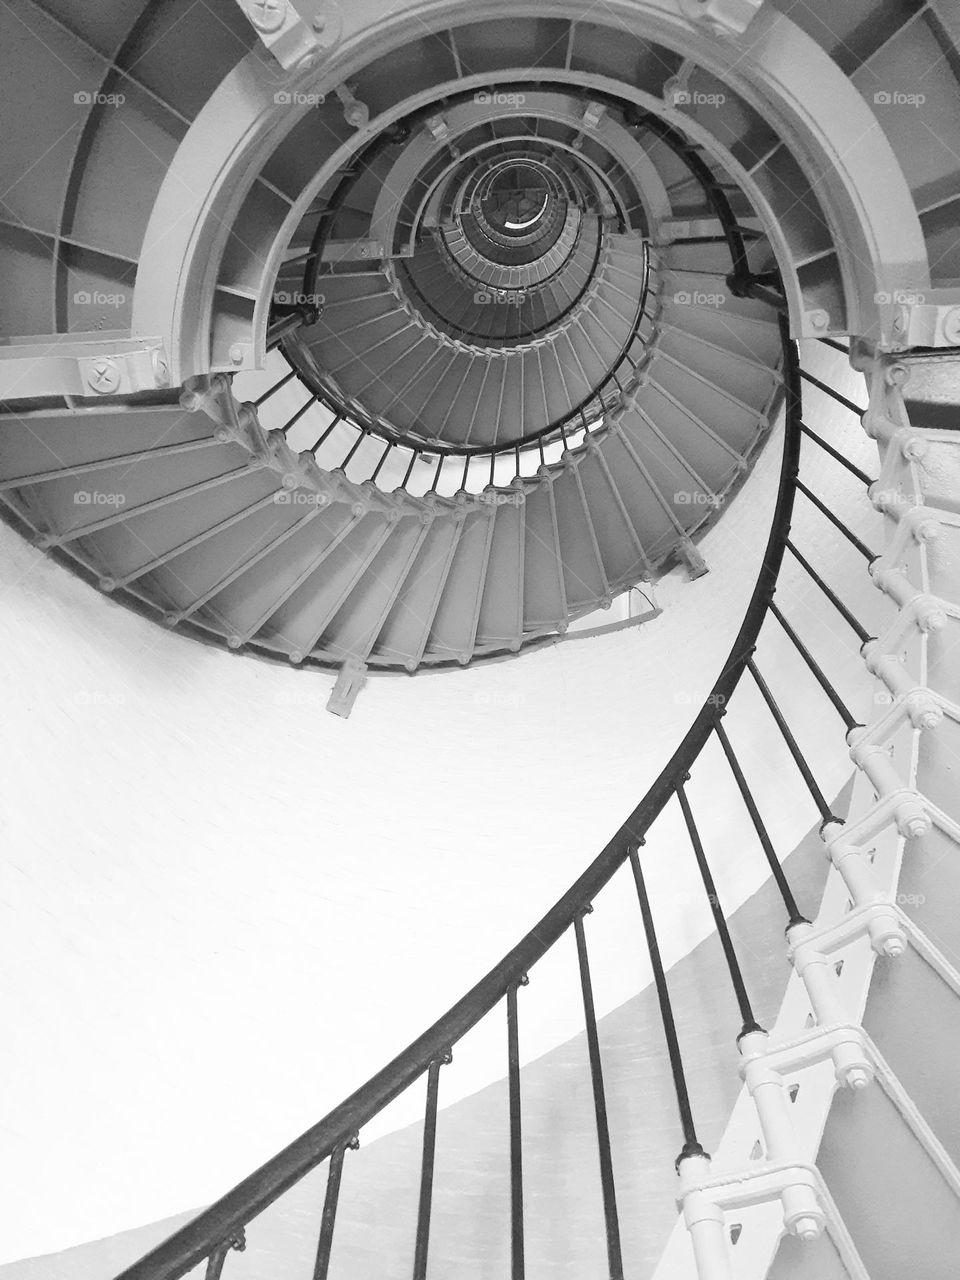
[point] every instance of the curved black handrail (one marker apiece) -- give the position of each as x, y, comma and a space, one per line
198, 1239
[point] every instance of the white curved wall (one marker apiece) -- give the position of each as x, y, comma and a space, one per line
223, 908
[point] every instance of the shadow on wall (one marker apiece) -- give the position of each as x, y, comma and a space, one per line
563, 1211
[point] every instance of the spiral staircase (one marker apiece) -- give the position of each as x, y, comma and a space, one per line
378, 339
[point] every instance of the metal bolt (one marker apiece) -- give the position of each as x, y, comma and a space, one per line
951, 326
267, 15
818, 319
236, 354
104, 377
807, 1228
320, 22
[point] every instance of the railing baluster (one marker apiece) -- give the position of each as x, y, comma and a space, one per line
329, 1217
426, 1168
517, 1267
336, 422
831, 595
790, 740
834, 520
835, 395
749, 1022
614, 1257
383, 457
298, 415
835, 453
842, 709
356, 445
216, 1260
691, 1144
287, 377
786, 893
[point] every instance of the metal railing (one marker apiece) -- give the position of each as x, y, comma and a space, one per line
221, 1227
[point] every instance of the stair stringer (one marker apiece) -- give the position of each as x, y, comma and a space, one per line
738, 1207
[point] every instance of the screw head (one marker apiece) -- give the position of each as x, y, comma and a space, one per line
806, 1228
267, 15
951, 326
104, 376
236, 354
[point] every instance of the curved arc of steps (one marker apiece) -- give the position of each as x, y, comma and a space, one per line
566, 328
216, 1226
466, 262
614, 491
466, 116
238, 152
583, 254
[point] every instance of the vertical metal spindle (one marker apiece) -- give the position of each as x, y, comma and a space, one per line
834, 599
335, 423
836, 522
543, 459
287, 377
516, 1139
691, 1145
287, 426
436, 478
426, 1169
216, 1259
493, 460
786, 893
517, 452
614, 1256
841, 707
818, 797
733, 964
835, 453
383, 458
563, 437
356, 445
329, 1216
406, 476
